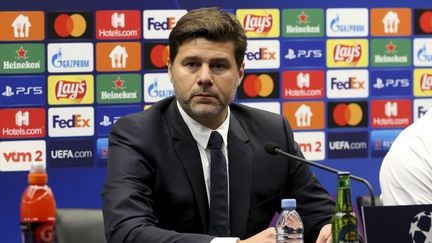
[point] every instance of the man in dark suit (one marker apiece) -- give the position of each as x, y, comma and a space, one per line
160, 185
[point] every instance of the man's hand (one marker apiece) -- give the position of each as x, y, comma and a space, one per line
266, 236
325, 235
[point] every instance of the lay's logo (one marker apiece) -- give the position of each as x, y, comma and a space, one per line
70, 89
260, 23
422, 82
347, 53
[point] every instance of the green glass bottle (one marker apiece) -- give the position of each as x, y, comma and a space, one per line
344, 221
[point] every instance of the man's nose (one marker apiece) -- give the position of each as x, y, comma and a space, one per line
205, 76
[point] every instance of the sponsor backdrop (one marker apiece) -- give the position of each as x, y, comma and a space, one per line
348, 76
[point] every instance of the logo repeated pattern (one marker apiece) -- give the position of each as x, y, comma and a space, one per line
347, 79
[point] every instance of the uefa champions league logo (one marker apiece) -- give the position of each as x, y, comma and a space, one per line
421, 228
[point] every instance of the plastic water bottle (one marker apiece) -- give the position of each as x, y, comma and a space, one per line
38, 208
289, 227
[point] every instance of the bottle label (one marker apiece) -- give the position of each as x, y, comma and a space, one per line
348, 234
38, 232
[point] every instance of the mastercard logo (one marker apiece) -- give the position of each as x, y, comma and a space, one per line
348, 114
69, 25
159, 55
426, 21
260, 86
156, 55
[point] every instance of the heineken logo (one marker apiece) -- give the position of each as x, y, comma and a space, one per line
118, 83
21, 53
302, 22
22, 58
393, 52
303, 18
124, 88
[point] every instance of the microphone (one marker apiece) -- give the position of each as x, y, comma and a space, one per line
274, 149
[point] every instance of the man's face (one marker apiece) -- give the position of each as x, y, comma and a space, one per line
205, 77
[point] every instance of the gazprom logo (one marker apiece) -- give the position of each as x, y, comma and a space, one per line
422, 52
157, 86
347, 22
70, 57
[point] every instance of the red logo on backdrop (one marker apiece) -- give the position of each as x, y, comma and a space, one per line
391, 113
303, 84
159, 55
426, 82
347, 53
118, 25
22, 123
258, 23
70, 90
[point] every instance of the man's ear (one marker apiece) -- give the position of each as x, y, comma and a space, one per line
169, 65
241, 74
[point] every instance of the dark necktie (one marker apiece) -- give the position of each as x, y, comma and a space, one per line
219, 211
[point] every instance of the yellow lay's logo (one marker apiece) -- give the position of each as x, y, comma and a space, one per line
422, 82
70, 89
347, 53
260, 22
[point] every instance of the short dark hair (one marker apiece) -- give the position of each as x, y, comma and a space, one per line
213, 24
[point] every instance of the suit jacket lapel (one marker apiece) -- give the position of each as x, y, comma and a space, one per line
240, 176
187, 151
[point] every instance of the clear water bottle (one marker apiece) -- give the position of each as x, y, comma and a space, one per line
289, 227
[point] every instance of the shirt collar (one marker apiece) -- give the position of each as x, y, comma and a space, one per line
201, 133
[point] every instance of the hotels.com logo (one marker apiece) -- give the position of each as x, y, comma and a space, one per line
119, 24
391, 113
347, 53
258, 23
303, 84
426, 82
22, 123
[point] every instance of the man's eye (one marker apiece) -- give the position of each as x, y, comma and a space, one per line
219, 67
191, 64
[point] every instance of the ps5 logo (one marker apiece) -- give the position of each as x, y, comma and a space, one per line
22, 91
292, 54
391, 82
106, 122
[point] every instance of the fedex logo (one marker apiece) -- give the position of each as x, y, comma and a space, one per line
262, 54
312, 144
159, 23
71, 121
75, 121
168, 24
421, 106
352, 83
19, 155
